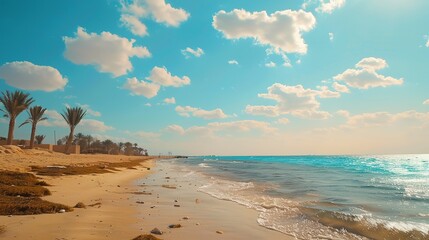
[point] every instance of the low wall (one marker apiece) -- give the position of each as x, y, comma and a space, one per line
73, 149
49, 147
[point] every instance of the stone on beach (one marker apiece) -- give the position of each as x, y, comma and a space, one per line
174, 226
146, 237
80, 205
156, 231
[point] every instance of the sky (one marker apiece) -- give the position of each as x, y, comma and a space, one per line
225, 77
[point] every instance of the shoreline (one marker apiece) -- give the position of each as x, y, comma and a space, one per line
130, 202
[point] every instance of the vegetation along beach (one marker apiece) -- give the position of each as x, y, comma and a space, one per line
235, 120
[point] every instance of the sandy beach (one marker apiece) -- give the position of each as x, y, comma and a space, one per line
127, 203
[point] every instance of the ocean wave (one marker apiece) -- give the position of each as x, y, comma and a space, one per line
203, 165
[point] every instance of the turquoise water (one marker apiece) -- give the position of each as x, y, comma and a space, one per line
379, 197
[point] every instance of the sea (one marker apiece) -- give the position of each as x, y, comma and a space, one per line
323, 197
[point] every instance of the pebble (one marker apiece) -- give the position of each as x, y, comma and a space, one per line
156, 231
176, 205
174, 226
185, 218
219, 232
62, 211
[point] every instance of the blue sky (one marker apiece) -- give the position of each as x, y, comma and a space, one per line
263, 77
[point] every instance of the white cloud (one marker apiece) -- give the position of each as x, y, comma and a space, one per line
364, 76
233, 62
176, 129
146, 135
56, 120
283, 121
372, 63
28, 76
269, 111
224, 127
171, 100
340, 88
106, 51
281, 30
426, 102
427, 43
161, 76
148, 105
331, 36
294, 100
188, 111
89, 110
141, 88
134, 24
189, 51
330, 5
270, 64
383, 118
158, 10
93, 125
158, 77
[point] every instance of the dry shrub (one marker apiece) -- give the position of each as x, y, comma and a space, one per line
28, 206
20, 192
86, 169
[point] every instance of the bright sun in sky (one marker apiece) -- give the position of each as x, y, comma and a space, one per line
225, 77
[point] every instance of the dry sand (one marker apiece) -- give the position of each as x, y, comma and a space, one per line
117, 215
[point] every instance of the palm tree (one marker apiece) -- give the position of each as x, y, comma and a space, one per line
14, 103
35, 115
40, 138
72, 116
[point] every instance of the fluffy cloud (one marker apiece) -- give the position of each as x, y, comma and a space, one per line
281, 30
233, 62
270, 64
295, 100
89, 110
372, 63
54, 119
340, 88
426, 102
269, 111
188, 52
331, 36
283, 121
106, 51
134, 24
364, 76
161, 76
158, 77
224, 127
28, 76
91, 125
146, 135
383, 118
188, 111
176, 129
427, 43
330, 5
158, 10
141, 88
171, 100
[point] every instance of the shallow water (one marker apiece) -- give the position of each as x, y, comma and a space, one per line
325, 197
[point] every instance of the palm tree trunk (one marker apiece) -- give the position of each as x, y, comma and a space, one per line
69, 140
10, 133
33, 133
